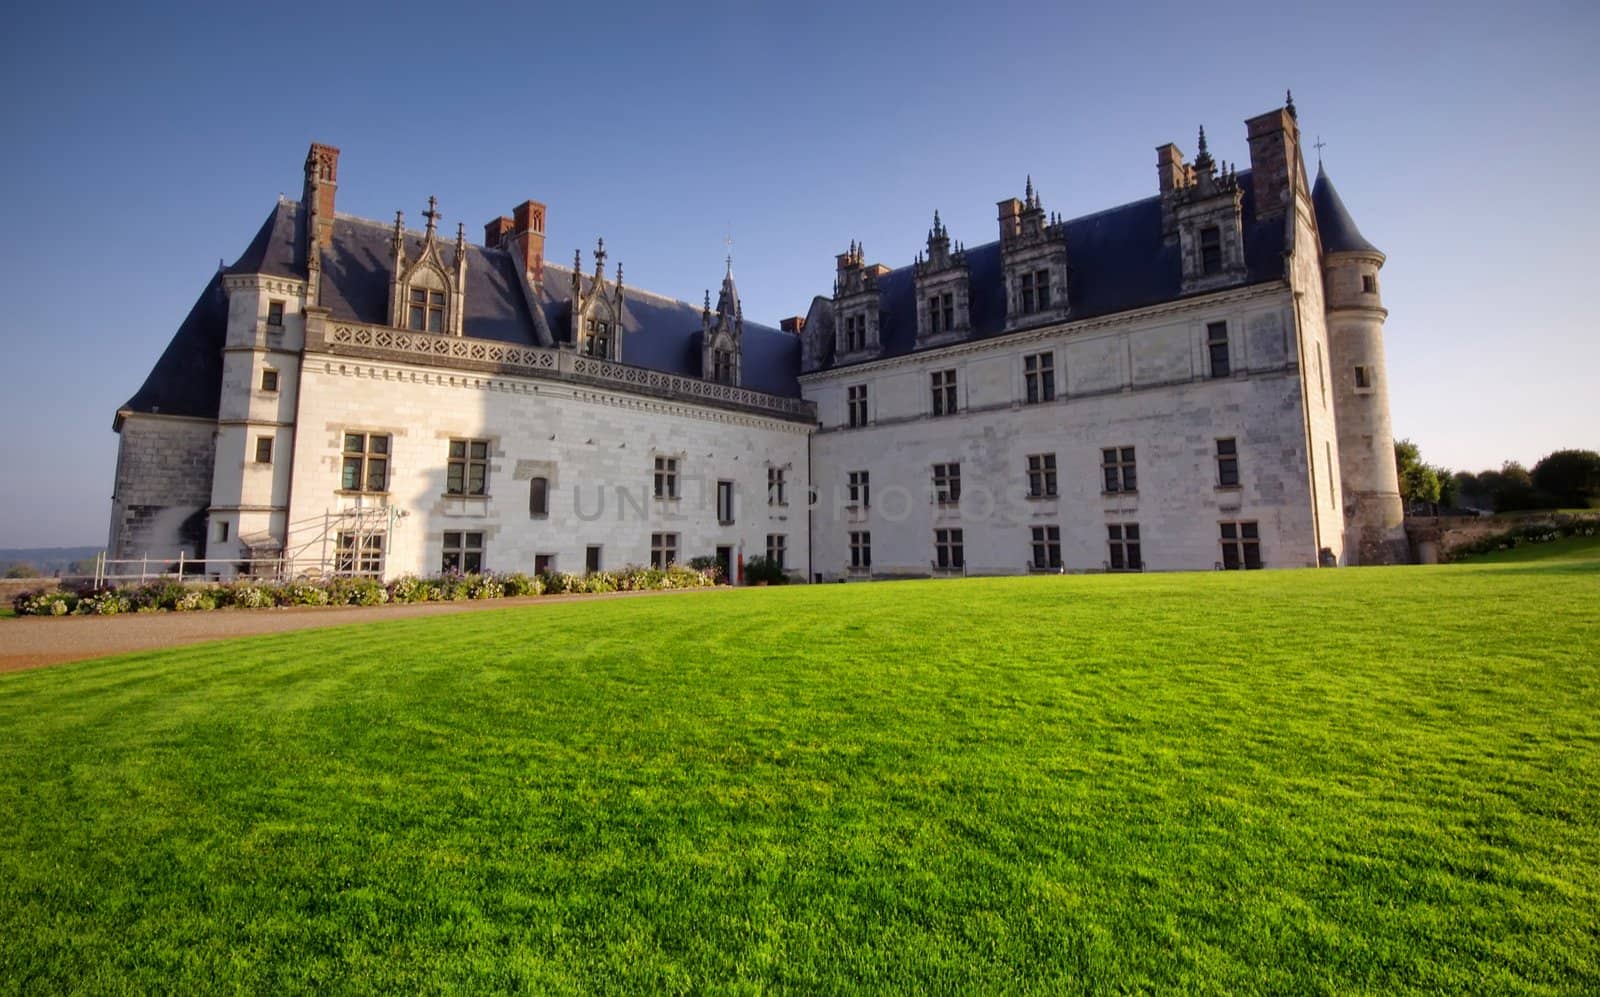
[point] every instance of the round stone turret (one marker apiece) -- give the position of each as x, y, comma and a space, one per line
1374, 515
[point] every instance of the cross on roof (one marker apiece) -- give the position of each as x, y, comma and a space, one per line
1318, 144
432, 214
727, 241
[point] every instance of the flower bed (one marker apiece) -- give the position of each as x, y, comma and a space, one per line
174, 596
1548, 531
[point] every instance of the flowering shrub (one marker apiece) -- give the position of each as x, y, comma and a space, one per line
1531, 533
175, 596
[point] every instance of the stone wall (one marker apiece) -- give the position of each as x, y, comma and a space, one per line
162, 487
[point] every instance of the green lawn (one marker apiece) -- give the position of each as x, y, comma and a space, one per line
1379, 781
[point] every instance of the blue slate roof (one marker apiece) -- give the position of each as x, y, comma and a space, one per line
658, 333
1117, 260
1334, 224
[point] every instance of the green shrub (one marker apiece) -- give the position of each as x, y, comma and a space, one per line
519, 584
761, 569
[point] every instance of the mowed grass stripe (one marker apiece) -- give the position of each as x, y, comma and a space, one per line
1378, 780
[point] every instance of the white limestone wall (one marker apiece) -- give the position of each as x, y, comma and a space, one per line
1319, 372
597, 447
1142, 383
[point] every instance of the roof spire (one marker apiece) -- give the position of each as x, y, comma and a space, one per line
1203, 163
1288, 104
1027, 197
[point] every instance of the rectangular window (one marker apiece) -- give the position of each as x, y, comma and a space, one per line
1217, 348
467, 470
663, 549
856, 404
591, 558
1363, 377
860, 551
263, 449
1046, 548
1124, 547
934, 314
855, 333
543, 563
269, 380
948, 550
1041, 286
944, 392
360, 554
1118, 467
275, 315
777, 489
725, 503
1042, 475
1227, 464
366, 462
1241, 546
777, 545
947, 302
860, 489
1039, 377
538, 497
666, 478
947, 483
222, 532
426, 311
463, 551
1211, 250
1369, 283
1027, 294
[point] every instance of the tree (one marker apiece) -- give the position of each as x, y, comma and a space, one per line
1570, 477
1418, 481
1513, 489
1449, 487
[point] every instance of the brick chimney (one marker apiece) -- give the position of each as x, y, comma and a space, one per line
527, 238
322, 176
495, 232
1170, 168
792, 325
1274, 152
1010, 219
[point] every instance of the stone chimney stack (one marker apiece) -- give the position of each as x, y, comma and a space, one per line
496, 232
1170, 168
1274, 160
793, 325
322, 176
527, 236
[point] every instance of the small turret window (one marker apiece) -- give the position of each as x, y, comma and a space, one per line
1363, 377
427, 310
1211, 250
1369, 283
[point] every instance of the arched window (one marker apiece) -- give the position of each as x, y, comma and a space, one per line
425, 302
539, 498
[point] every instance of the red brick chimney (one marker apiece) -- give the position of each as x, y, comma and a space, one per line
792, 325
1010, 219
527, 236
1274, 152
494, 233
322, 176
1170, 168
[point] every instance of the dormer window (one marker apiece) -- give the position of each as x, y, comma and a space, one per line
1035, 292
942, 312
855, 333
722, 366
1211, 250
426, 311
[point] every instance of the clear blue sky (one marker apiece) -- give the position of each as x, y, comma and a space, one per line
146, 144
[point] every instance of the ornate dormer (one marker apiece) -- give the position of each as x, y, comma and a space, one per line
596, 316
1033, 253
857, 308
943, 282
722, 334
1203, 208
425, 295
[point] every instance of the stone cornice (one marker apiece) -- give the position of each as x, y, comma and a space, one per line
264, 282
1010, 340
349, 339
341, 365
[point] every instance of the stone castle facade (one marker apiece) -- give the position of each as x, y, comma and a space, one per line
1190, 381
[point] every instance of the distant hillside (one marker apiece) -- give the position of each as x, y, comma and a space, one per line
48, 560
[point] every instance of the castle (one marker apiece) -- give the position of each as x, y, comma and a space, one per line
1193, 380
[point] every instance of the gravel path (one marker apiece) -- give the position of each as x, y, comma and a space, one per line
32, 642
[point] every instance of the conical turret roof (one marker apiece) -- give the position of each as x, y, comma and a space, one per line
1339, 232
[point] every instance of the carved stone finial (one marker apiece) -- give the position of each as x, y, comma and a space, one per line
619, 275
600, 251
1203, 163
1027, 195
1288, 104
707, 307
577, 261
